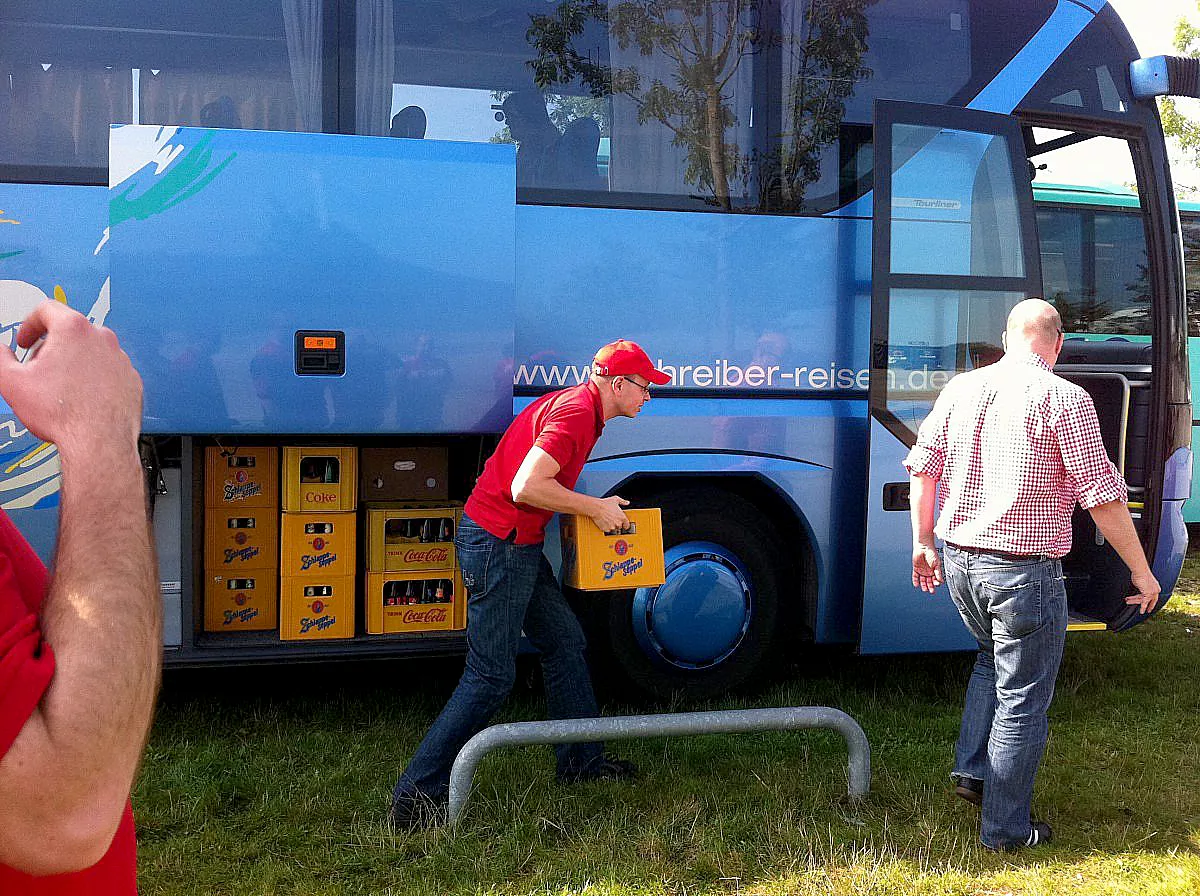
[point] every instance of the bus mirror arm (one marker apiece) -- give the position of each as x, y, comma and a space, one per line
1165, 76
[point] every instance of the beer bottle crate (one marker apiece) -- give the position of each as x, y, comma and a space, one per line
411, 537
318, 478
323, 545
241, 538
314, 608
599, 561
428, 601
242, 476
241, 603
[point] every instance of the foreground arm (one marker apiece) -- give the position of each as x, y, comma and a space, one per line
65, 780
1115, 523
536, 486
927, 565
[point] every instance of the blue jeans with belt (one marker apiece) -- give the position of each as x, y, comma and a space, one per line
510, 588
1016, 608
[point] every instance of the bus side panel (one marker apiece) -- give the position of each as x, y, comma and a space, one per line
1191, 508
226, 243
51, 247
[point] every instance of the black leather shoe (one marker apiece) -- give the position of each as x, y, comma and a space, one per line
969, 789
417, 812
603, 768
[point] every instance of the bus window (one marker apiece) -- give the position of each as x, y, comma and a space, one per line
1189, 222
70, 70
725, 106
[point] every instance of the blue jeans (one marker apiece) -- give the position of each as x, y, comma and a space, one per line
1017, 610
510, 587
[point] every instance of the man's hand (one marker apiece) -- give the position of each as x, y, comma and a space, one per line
927, 568
78, 384
608, 515
1148, 590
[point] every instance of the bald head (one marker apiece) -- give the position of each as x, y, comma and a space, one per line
1034, 325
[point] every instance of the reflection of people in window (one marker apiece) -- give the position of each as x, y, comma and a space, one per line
220, 113
409, 122
536, 137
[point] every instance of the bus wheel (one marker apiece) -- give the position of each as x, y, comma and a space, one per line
713, 626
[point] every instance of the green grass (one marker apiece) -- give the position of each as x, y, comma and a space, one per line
277, 782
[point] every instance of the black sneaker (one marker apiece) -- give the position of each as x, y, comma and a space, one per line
417, 812
969, 789
1040, 834
602, 768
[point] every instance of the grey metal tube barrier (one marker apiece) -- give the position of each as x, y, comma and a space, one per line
733, 721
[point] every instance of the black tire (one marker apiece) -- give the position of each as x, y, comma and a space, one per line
695, 515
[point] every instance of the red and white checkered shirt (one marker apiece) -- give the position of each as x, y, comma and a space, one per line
1014, 448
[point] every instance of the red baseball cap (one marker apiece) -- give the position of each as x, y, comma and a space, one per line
623, 357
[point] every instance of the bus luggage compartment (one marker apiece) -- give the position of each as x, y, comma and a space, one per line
277, 283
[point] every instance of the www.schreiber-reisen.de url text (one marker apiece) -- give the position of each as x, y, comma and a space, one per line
724, 374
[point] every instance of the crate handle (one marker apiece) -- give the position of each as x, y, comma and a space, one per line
632, 530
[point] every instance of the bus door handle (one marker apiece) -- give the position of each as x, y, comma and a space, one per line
895, 496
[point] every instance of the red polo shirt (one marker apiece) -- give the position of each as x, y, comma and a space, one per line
564, 424
26, 667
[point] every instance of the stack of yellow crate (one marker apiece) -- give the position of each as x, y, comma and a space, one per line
241, 539
413, 581
316, 590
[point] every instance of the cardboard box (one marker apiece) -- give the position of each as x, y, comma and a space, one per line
249, 602
410, 538
415, 602
316, 608
320, 478
594, 561
241, 476
318, 544
404, 474
245, 538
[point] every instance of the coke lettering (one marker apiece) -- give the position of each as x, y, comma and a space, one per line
428, 555
320, 497
430, 616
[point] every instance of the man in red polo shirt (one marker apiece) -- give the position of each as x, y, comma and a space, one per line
510, 585
79, 650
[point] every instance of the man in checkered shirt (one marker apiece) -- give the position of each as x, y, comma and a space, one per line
1014, 448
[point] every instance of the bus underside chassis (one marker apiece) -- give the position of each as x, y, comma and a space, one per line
1116, 374
734, 598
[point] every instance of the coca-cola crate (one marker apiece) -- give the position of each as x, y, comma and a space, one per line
411, 538
415, 602
316, 608
242, 538
241, 603
242, 476
318, 544
323, 479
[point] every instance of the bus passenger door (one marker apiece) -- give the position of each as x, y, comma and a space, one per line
954, 248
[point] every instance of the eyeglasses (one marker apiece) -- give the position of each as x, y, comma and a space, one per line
645, 387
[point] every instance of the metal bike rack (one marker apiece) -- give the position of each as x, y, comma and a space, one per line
736, 721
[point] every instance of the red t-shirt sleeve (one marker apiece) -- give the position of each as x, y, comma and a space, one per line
26, 661
563, 430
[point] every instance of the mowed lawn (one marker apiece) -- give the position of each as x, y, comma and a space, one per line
277, 781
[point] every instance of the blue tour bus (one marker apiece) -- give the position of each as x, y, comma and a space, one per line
810, 226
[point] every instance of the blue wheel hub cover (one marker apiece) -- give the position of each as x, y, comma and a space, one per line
699, 617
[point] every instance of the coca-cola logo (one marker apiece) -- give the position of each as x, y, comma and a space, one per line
433, 614
321, 497
621, 546
428, 555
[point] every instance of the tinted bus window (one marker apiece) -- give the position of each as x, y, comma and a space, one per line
71, 69
1190, 224
729, 105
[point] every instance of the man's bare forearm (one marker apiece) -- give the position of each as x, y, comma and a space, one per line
921, 493
1115, 523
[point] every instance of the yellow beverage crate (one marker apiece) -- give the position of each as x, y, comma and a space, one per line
595, 561
318, 544
246, 602
316, 608
320, 478
415, 602
243, 538
241, 477
411, 538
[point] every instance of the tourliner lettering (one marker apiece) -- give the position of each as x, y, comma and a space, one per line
318, 560
623, 567
234, 555
241, 492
